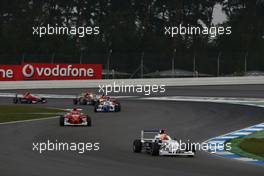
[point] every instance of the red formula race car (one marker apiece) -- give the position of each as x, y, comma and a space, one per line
28, 98
75, 118
86, 98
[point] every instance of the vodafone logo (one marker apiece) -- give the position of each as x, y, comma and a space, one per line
34, 71
6, 73
28, 71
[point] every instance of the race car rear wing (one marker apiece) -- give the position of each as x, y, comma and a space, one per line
149, 135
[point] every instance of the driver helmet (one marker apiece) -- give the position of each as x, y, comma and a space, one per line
74, 109
162, 131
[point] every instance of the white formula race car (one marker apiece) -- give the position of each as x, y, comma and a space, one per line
152, 142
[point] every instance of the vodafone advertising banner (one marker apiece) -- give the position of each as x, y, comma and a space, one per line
33, 71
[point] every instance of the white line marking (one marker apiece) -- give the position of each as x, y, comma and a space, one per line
258, 102
31, 120
57, 96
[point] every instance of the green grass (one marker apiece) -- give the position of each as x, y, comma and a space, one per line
251, 146
10, 113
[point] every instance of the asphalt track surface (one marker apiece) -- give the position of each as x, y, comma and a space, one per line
116, 131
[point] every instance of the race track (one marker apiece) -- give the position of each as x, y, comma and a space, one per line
116, 132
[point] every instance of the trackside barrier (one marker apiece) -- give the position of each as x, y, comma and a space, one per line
9, 85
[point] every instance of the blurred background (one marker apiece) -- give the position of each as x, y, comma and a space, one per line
132, 43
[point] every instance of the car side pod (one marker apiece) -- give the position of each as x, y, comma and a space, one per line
155, 147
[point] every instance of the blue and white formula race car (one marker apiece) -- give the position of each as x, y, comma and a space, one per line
107, 104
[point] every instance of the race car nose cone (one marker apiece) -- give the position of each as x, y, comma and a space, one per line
75, 119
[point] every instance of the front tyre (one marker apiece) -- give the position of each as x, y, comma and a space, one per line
61, 120
96, 107
75, 101
137, 146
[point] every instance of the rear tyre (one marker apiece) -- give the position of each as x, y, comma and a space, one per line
43, 100
155, 149
96, 107
137, 146
118, 108
15, 100
193, 149
75, 101
61, 121
83, 101
93, 102
89, 121
190, 147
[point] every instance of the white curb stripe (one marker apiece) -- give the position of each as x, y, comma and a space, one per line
252, 129
245, 159
260, 126
216, 142
226, 137
241, 133
223, 153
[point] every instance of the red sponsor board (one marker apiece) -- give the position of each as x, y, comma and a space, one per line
9, 72
32, 71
